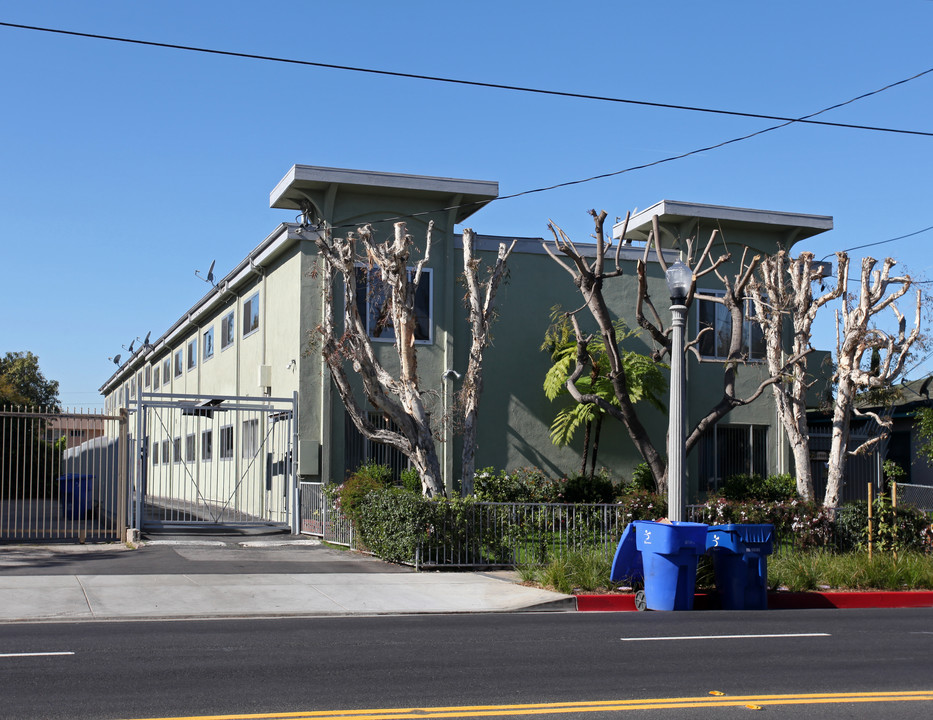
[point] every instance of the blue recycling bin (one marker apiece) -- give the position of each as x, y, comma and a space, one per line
73, 491
669, 553
740, 563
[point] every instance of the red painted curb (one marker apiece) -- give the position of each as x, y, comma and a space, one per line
779, 601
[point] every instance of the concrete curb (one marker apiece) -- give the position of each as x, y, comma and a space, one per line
779, 601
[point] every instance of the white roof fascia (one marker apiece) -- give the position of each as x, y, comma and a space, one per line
271, 246
640, 223
535, 246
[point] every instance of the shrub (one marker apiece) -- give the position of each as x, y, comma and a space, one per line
643, 505
392, 522
587, 489
521, 485
805, 524
367, 479
905, 529
774, 488
642, 479
411, 480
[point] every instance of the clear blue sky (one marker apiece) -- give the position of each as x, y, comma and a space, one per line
124, 168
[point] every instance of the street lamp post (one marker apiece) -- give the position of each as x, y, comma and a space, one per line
679, 279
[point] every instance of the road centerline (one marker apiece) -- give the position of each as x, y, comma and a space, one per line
724, 637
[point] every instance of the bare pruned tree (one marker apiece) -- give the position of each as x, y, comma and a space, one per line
480, 301
399, 398
856, 335
590, 277
782, 293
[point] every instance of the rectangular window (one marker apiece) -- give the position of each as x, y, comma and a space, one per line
373, 303
176, 450
207, 450
715, 319
728, 450
148, 380
166, 457
226, 442
166, 369
207, 345
155, 378
133, 387
249, 442
227, 329
154, 452
189, 448
192, 353
251, 315
179, 363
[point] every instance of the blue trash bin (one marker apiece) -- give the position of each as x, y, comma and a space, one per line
73, 492
669, 554
740, 563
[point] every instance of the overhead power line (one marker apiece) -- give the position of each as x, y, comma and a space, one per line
477, 83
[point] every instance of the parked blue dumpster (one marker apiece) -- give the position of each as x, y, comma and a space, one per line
740, 563
665, 556
74, 490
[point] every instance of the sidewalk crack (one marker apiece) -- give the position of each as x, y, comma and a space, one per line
87, 600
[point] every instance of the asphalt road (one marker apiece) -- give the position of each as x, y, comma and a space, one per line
183, 669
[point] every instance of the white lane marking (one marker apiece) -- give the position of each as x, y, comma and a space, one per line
725, 637
34, 654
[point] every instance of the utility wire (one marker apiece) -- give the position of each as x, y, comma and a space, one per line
477, 83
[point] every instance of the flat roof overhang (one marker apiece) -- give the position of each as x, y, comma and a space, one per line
673, 212
302, 179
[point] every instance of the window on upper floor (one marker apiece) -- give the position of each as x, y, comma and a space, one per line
373, 301
251, 314
714, 344
166, 370
192, 353
179, 363
147, 382
227, 330
190, 448
155, 378
207, 344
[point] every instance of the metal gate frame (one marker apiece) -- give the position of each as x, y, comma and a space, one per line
192, 498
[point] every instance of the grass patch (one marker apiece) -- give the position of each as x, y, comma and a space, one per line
801, 571
588, 572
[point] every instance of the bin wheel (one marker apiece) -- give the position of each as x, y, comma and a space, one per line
640, 602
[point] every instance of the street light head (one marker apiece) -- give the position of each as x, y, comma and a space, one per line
679, 279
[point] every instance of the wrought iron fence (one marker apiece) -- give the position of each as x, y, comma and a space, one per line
320, 518
489, 534
63, 475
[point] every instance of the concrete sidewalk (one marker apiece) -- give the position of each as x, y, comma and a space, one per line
175, 578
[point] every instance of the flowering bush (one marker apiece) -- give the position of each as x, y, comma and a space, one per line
805, 524
521, 485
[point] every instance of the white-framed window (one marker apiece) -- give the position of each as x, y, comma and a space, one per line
249, 441
133, 387
373, 300
154, 451
147, 382
179, 363
190, 449
155, 378
227, 330
192, 353
207, 344
176, 450
166, 369
226, 442
251, 314
714, 344
166, 456
207, 449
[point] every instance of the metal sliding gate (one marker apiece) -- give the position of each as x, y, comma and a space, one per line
218, 460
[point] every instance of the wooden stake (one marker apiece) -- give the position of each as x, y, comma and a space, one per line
870, 535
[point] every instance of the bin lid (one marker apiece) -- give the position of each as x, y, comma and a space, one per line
627, 564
